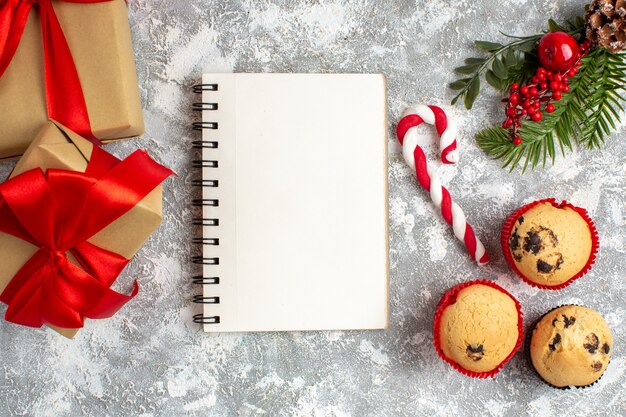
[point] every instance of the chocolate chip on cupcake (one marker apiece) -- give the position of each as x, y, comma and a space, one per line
478, 328
549, 245
571, 346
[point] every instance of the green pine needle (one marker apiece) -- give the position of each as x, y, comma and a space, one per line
601, 89
586, 115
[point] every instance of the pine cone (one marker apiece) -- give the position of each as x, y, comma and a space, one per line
606, 24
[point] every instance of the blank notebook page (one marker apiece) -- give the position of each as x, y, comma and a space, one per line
302, 171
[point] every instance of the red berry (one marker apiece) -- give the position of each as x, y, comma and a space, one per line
543, 85
533, 91
541, 77
511, 111
550, 108
557, 51
514, 98
507, 123
514, 87
572, 72
565, 79
517, 141
541, 70
556, 95
524, 90
536, 117
524, 112
527, 104
557, 78
565, 88
535, 79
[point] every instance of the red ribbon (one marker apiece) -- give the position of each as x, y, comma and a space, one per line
64, 94
58, 212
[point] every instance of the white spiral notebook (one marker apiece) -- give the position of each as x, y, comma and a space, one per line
294, 204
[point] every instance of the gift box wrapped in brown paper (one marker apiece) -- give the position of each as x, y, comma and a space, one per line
98, 35
57, 147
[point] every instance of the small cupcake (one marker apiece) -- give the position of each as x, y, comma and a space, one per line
571, 346
478, 328
549, 245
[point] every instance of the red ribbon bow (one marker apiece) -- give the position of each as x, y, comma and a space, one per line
64, 94
58, 212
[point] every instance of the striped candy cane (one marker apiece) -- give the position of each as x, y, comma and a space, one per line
428, 178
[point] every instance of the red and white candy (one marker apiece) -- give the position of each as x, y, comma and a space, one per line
428, 178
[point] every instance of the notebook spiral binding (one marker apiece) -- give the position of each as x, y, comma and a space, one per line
200, 202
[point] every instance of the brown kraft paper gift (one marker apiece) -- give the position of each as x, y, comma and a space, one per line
99, 38
57, 147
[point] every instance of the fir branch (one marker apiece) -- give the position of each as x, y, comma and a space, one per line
586, 115
539, 138
602, 97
